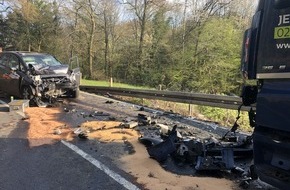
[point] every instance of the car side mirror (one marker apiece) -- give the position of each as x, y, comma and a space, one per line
31, 69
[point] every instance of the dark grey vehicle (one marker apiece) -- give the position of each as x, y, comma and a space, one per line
38, 77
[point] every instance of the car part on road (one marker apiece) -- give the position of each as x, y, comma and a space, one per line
161, 151
98, 113
144, 119
149, 141
130, 125
83, 136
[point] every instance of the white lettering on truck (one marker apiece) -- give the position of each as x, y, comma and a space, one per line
284, 19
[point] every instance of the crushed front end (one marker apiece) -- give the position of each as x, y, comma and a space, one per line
50, 87
51, 80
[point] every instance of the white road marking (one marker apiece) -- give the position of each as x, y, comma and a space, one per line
128, 185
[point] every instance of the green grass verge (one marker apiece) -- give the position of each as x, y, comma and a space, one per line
107, 84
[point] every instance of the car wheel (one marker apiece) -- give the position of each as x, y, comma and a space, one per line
75, 93
26, 93
38, 102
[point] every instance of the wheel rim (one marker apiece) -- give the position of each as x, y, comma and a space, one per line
25, 93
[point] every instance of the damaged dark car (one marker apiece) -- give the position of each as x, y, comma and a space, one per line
38, 77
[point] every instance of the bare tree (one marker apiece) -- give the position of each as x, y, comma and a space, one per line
243, 9
87, 11
29, 14
4, 8
141, 8
143, 11
110, 14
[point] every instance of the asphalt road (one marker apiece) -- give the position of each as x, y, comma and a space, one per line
78, 164
52, 166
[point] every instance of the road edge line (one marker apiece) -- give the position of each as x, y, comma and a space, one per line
128, 185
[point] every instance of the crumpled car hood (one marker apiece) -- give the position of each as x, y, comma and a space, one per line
49, 70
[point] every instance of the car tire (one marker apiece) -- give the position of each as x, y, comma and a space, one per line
26, 93
39, 103
75, 93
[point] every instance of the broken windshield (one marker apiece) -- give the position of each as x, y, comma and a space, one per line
44, 60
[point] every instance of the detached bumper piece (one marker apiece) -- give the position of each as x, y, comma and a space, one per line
161, 151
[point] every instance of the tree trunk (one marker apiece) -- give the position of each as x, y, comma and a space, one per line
106, 44
142, 28
91, 40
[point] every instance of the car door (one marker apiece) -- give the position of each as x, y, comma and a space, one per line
14, 77
4, 73
9, 77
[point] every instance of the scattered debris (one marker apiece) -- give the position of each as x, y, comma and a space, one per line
83, 114
248, 177
57, 131
127, 120
245, 184
149, 141
184, 145
77, 131
164, 129
204, 154
24, 118
46, 129
161, 151
144, 119
98, 113
129, 125
109, 102
111, 118
83, 135
107, 131
151, 175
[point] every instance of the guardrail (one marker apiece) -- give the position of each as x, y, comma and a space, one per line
228, 102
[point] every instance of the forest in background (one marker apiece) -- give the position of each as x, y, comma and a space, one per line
188, 45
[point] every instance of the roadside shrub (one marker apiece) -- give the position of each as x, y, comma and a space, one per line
226, 117
98, 75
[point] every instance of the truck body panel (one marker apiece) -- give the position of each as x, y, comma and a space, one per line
266, 57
